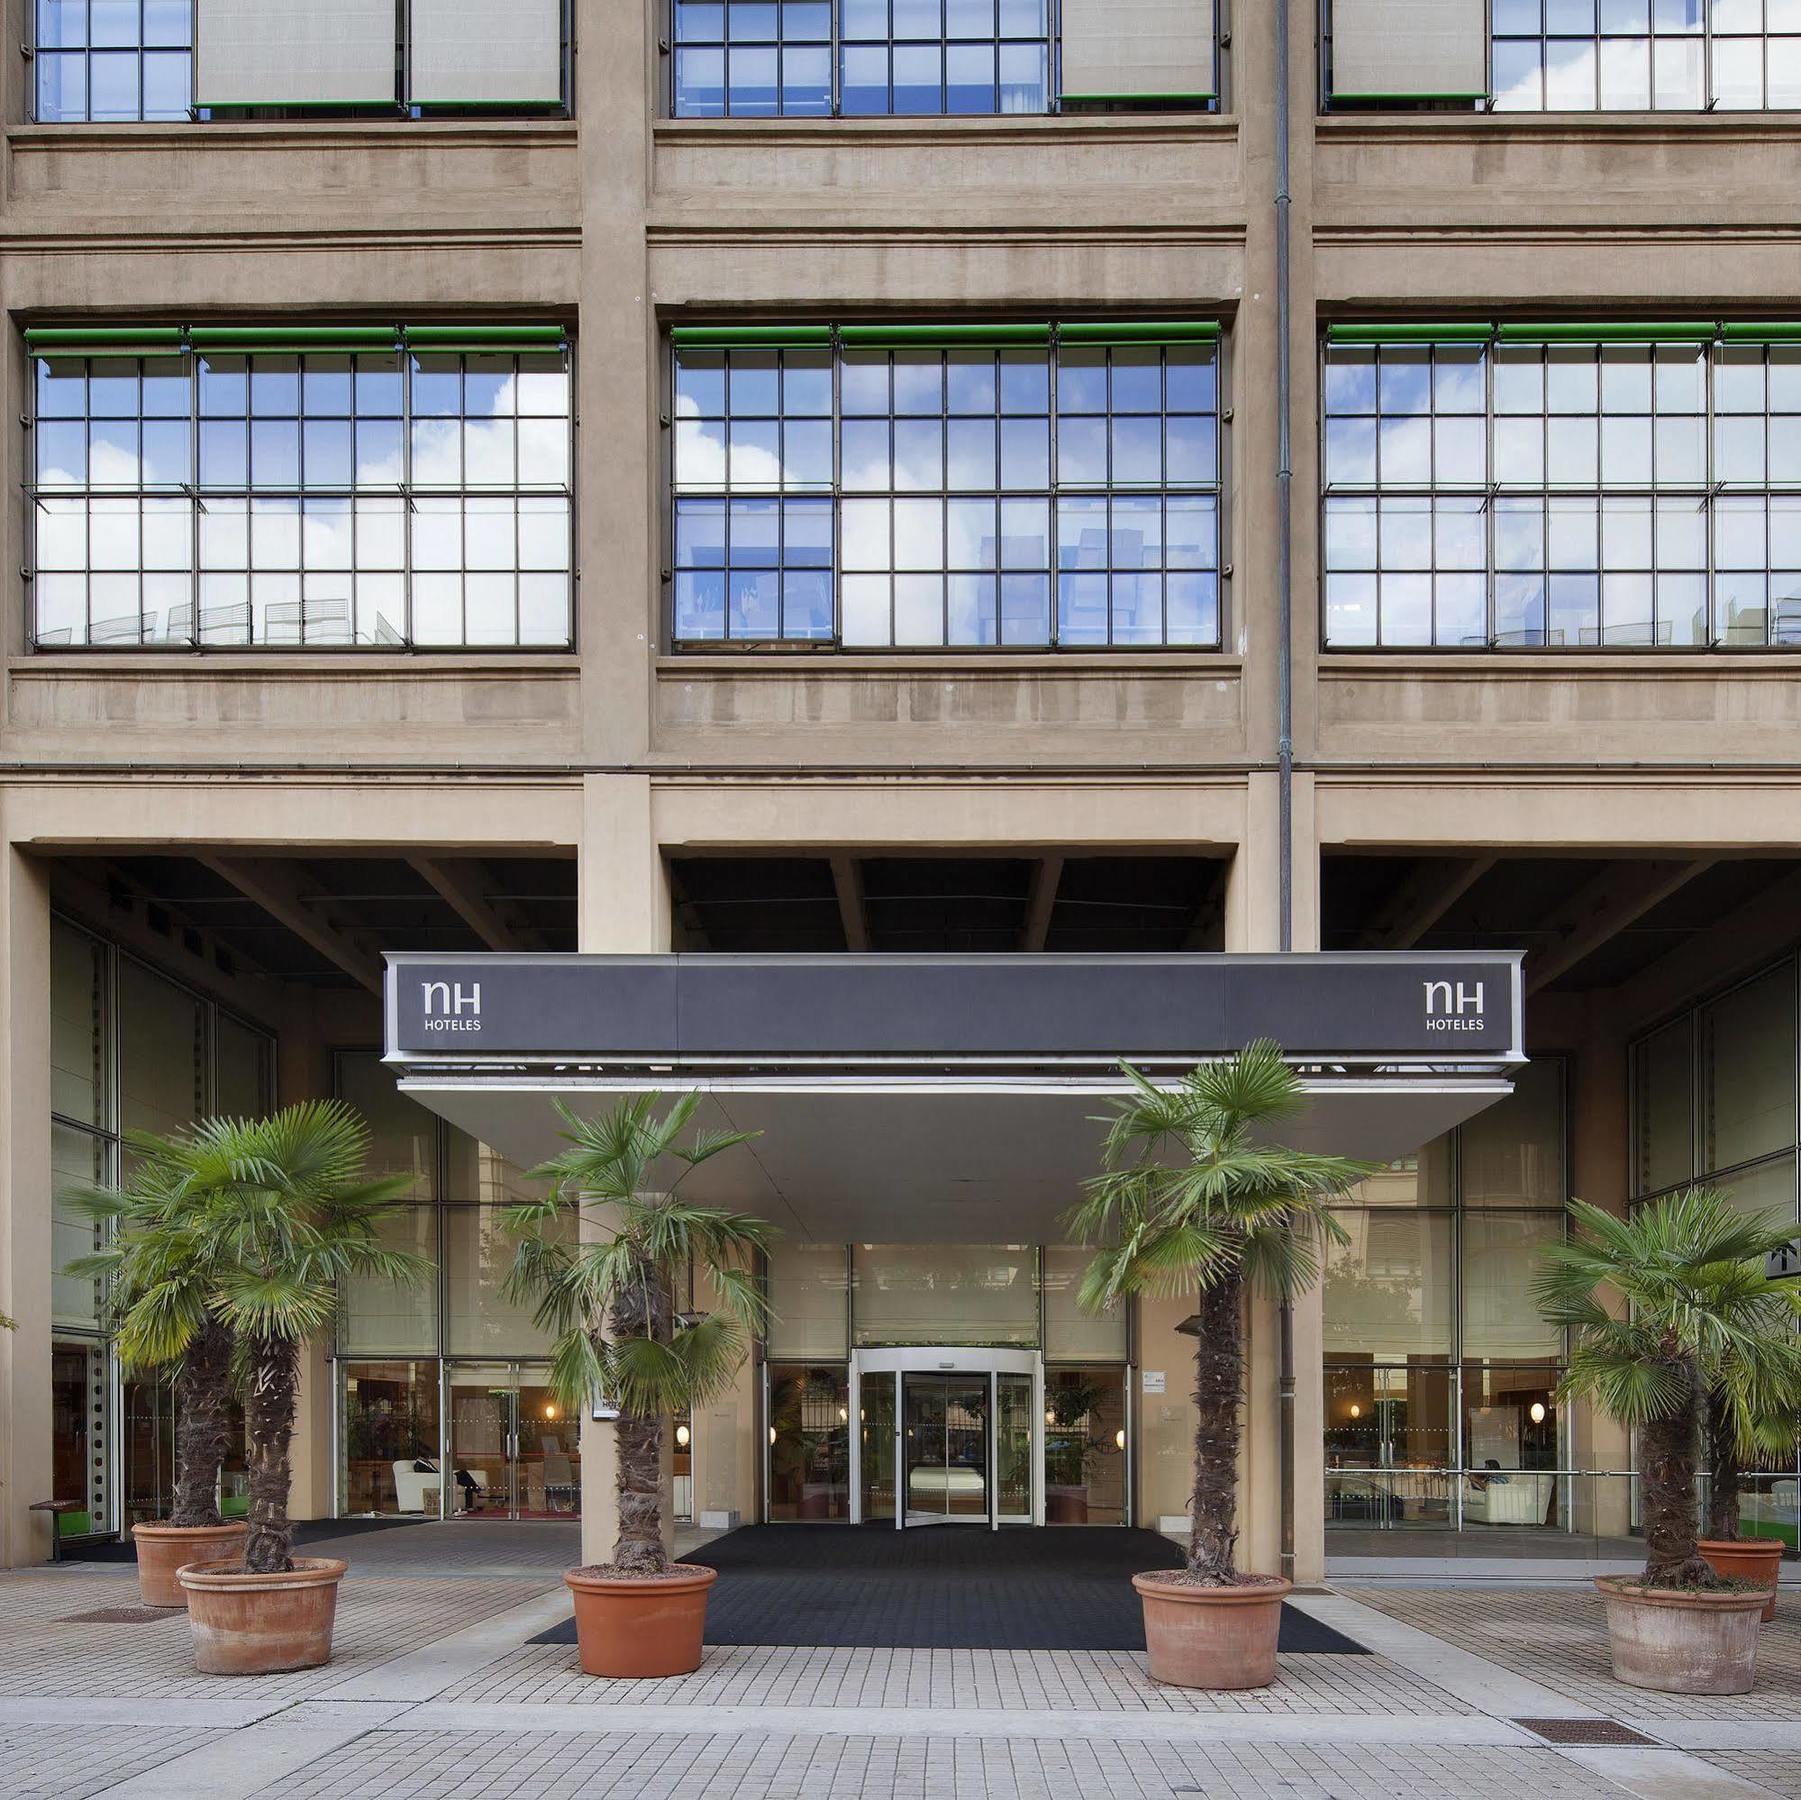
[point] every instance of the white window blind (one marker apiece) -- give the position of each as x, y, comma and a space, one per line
469, 52
294, 53
1129, 49
1409, 49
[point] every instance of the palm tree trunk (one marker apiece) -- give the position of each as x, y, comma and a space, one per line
1667, 1449
1723, 1472
269, 1418
1218, 1383
640, 1312
202, 1425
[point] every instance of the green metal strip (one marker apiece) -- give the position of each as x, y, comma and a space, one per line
1632, 331
1202, 94
891, 337
1140, 331
103, 340
485, 337
292, 339
1409, 333
1762, 331
749, 337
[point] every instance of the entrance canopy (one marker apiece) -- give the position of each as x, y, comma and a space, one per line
940, 1099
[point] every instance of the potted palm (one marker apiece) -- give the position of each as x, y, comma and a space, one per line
1699, 1318
1193, 1195
605, 1299
273, 1214
155, 1271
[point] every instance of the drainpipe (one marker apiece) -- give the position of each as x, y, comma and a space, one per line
1284, 700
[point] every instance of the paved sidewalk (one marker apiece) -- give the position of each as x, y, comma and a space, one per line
436, 1691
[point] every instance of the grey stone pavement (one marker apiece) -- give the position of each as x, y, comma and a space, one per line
436, 1690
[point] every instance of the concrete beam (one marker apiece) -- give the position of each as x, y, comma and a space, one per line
1419, 902
1618, 897
281, 891
1041, 902
847, 879
458, 883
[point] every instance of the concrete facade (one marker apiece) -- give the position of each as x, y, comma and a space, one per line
623, 755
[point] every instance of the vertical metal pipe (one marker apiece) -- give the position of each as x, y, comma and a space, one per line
1284, 700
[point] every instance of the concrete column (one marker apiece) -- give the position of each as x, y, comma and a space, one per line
624, 908
26, 1182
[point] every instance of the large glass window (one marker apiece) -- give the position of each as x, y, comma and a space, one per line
809, 1441
118, 61
1645, 55
752, 59
945, 496
1562, 495
371, 499
808, 1300
945, 1294
1736, 1054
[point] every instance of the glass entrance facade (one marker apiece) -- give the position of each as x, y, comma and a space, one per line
1015, 1406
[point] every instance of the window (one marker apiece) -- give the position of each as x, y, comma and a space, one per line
1555, 488
248, 488
749, 59
1568, 55
113, 61
916, 489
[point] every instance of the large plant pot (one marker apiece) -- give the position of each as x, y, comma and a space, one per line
1757, 1560
262, 1624
1066, 1506
1200, 1637
1675, 1642
639, 1626
164, 1549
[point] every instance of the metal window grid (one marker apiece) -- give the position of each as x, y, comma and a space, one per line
339, 622
1595, 596
934, 426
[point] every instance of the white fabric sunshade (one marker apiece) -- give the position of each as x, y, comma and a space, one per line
294, 53
1400, 48
1122, 48
475, 51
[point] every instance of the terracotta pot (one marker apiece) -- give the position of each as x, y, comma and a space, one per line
1757, 1560
641, 1626
1202, 1637
1066, 1506
163, 1549
261, 1624
1674, 1642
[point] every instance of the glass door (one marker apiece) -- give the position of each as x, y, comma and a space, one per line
514, 1452
1014, 1412
877, 1446
945, 1448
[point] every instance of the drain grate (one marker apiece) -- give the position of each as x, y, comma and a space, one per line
122, 1615
1592, 1732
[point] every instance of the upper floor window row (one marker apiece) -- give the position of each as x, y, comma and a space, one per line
1565, 55
303, 487
108, 61
920, 486
1563, 486
751, 59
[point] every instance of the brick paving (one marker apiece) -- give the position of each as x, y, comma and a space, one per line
1558, 1637
437, 1693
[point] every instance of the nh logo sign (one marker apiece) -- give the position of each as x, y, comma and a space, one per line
1455, 1006
452, 1007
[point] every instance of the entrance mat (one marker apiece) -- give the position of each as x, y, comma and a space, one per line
944, 1587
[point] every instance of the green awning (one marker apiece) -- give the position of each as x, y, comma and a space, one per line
103, 340
950, 337
1407, 332
291, 340
1140, 331
1762, 331
497, 339
750, 337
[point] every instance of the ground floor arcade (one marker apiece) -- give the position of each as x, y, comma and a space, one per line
178, 947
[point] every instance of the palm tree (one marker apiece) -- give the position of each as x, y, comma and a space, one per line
1702, 1328
155, 1274
235, 1234
1191, 1195
606, 1300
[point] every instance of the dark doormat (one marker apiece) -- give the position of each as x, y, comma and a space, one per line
306, 1531
944, 1587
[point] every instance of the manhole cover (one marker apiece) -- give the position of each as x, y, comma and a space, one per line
121, 1615
1584, 1731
